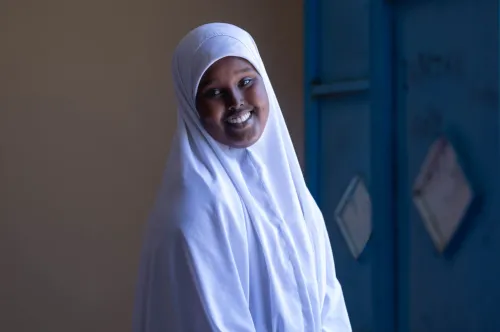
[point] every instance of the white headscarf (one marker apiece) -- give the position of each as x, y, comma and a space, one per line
214, 200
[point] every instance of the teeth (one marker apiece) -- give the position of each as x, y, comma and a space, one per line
240, 119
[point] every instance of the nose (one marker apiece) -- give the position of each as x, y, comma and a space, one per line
234, 99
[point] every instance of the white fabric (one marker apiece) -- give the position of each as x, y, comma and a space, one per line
235, 241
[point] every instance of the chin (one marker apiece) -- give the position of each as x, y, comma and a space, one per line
242, 145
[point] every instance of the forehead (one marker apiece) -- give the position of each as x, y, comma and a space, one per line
211, 52
226, 69
204, 46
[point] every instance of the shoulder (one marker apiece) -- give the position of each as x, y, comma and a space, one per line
195, 208
209, 210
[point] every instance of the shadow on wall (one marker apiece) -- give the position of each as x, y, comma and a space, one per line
86, 115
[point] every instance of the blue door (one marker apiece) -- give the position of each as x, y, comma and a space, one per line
338, 120
402, 155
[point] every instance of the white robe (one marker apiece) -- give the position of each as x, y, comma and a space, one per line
235, 241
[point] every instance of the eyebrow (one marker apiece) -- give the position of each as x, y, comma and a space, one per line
205, 83
244, 70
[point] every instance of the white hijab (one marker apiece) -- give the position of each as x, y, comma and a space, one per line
210, 191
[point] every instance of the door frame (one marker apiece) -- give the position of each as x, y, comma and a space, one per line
389, 231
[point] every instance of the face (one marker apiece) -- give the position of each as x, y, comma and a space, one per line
232, 102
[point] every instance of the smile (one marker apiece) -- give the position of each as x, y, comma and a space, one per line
240, 119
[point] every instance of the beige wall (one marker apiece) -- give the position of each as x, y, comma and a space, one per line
86, 114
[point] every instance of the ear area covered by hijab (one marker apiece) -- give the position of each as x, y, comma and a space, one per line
235, 241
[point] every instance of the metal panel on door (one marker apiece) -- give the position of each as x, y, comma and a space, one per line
448, 70
344, 159
338, 141
410, 105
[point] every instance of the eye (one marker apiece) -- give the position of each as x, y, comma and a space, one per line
246, 81
212, 93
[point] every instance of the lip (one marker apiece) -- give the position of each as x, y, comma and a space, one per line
233, 114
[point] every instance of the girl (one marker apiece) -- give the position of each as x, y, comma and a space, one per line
235, 241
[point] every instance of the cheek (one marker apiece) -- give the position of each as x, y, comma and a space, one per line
210, 111
261, 100
264, 118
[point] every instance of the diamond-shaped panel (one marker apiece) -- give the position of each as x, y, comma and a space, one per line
353, 215
442, 193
